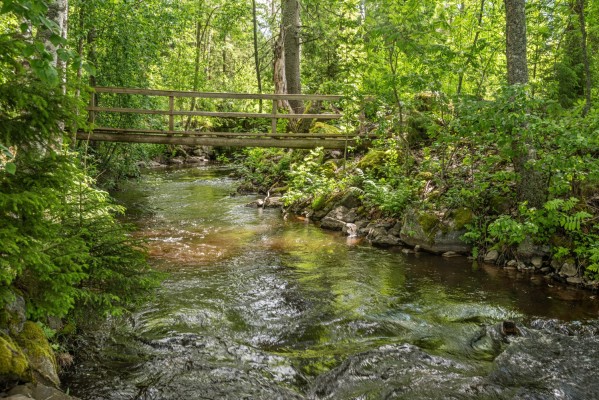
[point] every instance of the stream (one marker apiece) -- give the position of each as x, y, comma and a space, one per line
258, 307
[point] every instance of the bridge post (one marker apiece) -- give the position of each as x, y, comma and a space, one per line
274, 117
171, 116
92, 103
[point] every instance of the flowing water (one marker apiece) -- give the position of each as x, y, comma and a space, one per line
258, 307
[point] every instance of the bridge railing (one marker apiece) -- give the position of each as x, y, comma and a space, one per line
172, 107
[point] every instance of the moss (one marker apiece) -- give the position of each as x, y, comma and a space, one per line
326, 129
429, 223
372, 160
13, 362
34, 342
461, 218
319, 202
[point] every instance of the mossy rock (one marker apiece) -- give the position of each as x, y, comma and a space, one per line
41, 358
429, 223
427, 230
14, 365
461, 217
373, 161
324, 129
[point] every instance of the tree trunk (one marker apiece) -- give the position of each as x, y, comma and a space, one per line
290, 21
515, 19
280, 80
531, 186
585, 58
256, 55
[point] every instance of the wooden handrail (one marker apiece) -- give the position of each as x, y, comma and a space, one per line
214, 114
212, 95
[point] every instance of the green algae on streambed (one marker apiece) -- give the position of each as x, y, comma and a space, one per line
258, 307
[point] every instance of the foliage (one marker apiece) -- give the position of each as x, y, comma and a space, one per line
312, 178
265, 168
62, 246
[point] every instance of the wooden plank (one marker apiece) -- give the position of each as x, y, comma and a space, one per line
223, 142
213, 114
212, 95
234, 134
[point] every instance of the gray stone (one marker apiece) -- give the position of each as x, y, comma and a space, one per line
17, 312
273, 202
378, 235
176, 161
491, 256
439, 238
512, 263
396, 229
332, 224
195, 160
37, 392
521, 266
568, 270
527, 250
574, 280
351, 199
545, 269
537, 262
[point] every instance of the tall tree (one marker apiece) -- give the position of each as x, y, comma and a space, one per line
291, 25
256, 54
585, 57
531, 186
515, 29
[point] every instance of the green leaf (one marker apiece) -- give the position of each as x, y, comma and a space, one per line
11, 168
56, 39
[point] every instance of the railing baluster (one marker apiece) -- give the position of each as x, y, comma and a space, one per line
171, 116
274, 117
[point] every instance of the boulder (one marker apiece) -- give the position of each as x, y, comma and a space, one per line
42, 362
537, 262
378, 235
14, 315
14, 365
527, 250
351, 199
332, 224
273, 202
37, 392
427, 230
195, 160
176, 161
568, 270
491, 257
573, 280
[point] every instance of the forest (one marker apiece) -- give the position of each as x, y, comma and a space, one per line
484, 116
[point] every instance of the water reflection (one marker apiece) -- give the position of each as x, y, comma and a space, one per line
259, 307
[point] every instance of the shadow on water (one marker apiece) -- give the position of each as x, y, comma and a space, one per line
256, 307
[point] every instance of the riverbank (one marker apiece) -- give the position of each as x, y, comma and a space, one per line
357, 197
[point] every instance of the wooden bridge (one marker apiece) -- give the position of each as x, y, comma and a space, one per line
170, 115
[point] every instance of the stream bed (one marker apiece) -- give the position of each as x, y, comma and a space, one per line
258, 307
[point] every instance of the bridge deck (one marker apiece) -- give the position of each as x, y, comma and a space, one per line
184, 136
